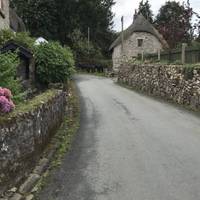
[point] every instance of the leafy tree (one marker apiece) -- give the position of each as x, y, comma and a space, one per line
174, 22
97, 15
83, 50
57, 19
39, 16
145, 10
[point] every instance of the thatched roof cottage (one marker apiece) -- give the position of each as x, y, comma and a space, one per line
141, 37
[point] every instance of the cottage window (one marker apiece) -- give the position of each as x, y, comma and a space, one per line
140, 42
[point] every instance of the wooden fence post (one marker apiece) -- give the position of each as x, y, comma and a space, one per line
142, 56
169, 56
158, 54
183, 53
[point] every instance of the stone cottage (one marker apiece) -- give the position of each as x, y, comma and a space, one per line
140, 38
9, 18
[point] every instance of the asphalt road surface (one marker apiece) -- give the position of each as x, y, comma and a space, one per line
129, 147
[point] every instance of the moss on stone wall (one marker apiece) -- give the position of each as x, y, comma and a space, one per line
28, 106
25, 133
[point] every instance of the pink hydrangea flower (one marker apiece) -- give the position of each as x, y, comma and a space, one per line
6, 104
7, 93
1, 91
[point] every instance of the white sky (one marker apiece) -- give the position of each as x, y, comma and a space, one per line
127, 8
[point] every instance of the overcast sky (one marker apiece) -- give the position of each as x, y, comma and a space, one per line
127, 8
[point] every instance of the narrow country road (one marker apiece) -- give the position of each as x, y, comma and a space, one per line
129, 147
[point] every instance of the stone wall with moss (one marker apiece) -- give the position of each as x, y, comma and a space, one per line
25, 132
180, 84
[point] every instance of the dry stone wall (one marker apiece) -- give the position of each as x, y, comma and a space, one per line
176, 83
23, 138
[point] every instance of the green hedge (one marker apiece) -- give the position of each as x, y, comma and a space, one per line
54, 64
22, 38
8, 69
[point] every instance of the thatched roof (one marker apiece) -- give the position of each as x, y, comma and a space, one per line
16, 23
140, 24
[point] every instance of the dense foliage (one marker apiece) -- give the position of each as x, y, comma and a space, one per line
22, 38
6, 35
57, 19
53, 63
82, 49
145, 9
8, 68
174, 22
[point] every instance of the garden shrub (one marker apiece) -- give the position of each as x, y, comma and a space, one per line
6, 35
22, 38
54, 64
8, 68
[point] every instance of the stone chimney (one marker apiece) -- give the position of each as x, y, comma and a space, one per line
135, 15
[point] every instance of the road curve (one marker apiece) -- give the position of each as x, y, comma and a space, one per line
129, 147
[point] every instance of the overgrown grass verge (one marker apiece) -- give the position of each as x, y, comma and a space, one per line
69, 127
62, 141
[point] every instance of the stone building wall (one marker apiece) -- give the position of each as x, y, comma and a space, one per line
4, 15
23, 138
175, 83
150, 45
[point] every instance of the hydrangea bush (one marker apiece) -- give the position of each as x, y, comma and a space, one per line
6, 104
